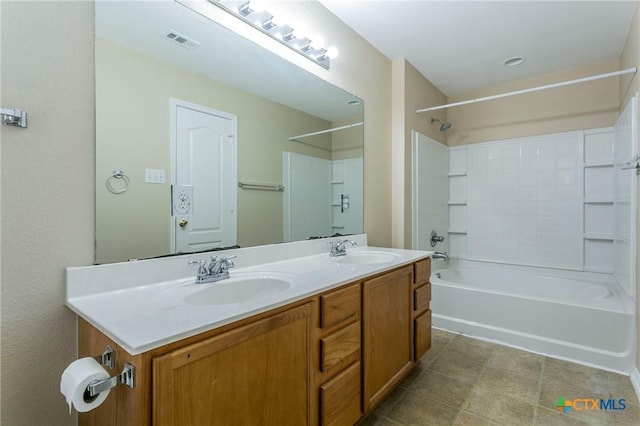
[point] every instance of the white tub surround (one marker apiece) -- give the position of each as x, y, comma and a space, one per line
140, 304
578, 316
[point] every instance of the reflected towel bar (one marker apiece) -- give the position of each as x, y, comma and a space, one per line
261, 186
634, 163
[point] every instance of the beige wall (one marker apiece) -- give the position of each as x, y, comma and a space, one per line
347, 143
48, 181
581, 106
360, 69
132, 133
629, 86
411, 91
47, 200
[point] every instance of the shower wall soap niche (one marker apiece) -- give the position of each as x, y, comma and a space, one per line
598, 171
457, 204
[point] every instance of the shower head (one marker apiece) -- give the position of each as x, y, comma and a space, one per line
443, 126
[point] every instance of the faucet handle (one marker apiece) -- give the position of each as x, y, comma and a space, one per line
227, 262
202, 270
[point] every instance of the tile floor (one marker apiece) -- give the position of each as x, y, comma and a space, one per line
464, 381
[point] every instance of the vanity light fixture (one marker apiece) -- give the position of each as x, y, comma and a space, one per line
253, 13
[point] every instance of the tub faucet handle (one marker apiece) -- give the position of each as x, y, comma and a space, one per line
435, 238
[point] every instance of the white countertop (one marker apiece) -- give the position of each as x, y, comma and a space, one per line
143, 313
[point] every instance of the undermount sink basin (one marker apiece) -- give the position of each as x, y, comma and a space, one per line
241, 288
368, 257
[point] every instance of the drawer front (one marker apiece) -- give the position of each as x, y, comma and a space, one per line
341, 347
340, 398
422, 298
339, 305
422, 335
422, 271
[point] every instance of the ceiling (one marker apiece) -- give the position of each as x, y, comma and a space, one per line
461, 45
222, 55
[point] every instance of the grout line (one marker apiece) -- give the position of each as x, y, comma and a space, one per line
539, 393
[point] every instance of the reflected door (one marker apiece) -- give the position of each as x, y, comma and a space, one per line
204, 195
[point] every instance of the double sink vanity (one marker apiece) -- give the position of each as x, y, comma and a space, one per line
293, 336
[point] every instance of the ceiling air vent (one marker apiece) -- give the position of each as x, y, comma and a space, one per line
182, 40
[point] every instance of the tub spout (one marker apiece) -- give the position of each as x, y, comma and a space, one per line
440, 255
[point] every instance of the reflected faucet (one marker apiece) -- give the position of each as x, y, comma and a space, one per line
440, 255
338, 247
217, 270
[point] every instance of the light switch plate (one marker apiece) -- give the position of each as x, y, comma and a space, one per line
154, 176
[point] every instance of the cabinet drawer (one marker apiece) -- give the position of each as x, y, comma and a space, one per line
422, 298
340, 398
343, 346
422, 271
422, 335
339, 305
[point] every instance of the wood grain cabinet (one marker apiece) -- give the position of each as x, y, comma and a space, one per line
325, 360
421, 308
257, 374
340, 351
388, 341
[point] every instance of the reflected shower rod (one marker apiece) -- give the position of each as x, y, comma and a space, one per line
320, 132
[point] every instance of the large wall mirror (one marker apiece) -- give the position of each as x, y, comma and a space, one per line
202, 139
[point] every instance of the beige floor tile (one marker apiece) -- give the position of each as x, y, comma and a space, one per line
441, 337
465, 381
519, 362
430, 357
416, 410
390, 401
501, 409
495, 381
459, 366
630, 416
546, 417
374, 419
579, 376
467, 419
474, 348
441, 388
411, 377
439, 340
619, 386
371, 419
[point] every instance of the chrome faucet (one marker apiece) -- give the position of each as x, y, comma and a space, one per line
339, 248
217, 270
440, 255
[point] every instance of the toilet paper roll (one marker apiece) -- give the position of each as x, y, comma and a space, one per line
75, 379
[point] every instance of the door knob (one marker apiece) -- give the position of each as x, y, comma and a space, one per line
182, 223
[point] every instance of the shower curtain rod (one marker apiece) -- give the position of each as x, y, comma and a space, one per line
348, 126
532, 89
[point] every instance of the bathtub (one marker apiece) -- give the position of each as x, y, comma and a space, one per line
577, 316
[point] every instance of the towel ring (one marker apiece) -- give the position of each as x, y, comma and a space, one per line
118, 174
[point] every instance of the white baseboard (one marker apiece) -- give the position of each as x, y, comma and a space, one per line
635, 381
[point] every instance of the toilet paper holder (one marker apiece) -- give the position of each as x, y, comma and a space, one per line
127, 376
107, 358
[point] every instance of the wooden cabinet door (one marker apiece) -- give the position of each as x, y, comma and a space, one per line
257, 374
340, 398
388, 343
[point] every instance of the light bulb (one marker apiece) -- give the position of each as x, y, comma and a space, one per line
332, 52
